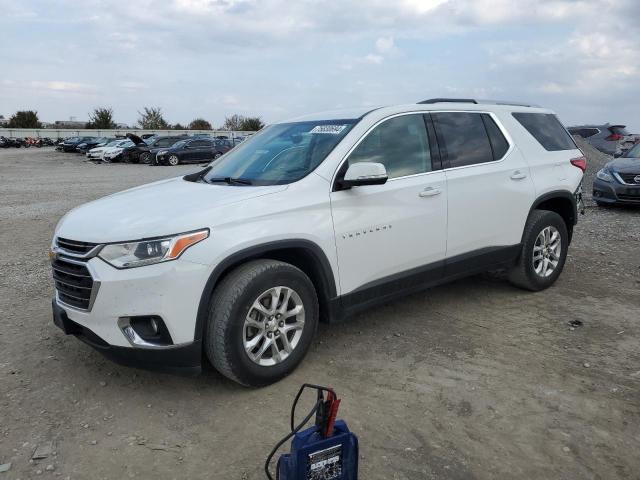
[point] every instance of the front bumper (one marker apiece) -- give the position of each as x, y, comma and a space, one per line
112, 158
615, 192
169, 290
181, 359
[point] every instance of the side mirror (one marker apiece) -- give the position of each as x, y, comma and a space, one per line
365, 173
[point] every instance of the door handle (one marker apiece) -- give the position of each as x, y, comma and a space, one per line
518, 175
430, 192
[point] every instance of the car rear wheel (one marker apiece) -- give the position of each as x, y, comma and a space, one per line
544, 251
145, 157
262, 319
173, 160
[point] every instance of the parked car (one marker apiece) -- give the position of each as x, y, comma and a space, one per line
114, 153
613, 140
619, 181
145, 150
95, 142
6, 142
97, 153
315, 218
71, 144
195, 150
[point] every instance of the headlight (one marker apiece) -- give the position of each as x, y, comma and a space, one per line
148, 252
604, 175
162, 152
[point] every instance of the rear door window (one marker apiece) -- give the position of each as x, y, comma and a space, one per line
499, 144
547, 130
589, 132
463, 138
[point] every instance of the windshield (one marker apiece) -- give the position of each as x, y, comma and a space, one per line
633, 152
282, 153
179, 144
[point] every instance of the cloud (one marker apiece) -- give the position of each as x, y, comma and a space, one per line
62, 86
385, 45
280, 58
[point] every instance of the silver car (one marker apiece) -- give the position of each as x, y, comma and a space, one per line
613, 140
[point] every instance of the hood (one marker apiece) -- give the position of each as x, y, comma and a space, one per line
112, 149
135, 139
625, 165
156, 209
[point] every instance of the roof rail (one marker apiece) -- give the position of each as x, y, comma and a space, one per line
471, 100
449, 100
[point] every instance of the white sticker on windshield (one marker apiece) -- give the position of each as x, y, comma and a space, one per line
330, 129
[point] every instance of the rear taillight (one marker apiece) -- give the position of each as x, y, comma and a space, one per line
614, 137
580, 162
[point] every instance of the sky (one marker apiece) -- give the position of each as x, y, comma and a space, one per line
278, 59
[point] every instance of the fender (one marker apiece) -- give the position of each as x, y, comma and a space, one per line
564, 194
326, 278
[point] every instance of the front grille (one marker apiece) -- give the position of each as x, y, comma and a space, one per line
629, 177
75, 246
629, 198
73, 283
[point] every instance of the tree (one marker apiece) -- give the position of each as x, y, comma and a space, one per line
152, 119
177, 126
233, 122
24, 119
199, 124
251, 124
101, 118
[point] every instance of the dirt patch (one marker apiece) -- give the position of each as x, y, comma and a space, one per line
472, 380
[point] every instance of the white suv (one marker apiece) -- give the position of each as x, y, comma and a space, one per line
314, 219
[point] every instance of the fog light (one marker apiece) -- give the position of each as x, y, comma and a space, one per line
154, 325
145, 331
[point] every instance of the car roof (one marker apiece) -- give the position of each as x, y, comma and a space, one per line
437, 105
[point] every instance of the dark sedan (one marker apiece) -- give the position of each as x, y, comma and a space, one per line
84, 147
144, 151
71, 144
195, 150
619, 180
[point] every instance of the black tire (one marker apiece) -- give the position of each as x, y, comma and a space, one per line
145, 157
217, 155
522, 274
173, 160
230, 304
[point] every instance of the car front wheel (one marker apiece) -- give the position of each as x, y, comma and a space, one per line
262, 319
544, 251
173, 160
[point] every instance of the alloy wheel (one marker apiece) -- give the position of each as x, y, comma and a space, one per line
173, 160
273, 326
546, 251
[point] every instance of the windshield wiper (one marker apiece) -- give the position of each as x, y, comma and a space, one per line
229, 180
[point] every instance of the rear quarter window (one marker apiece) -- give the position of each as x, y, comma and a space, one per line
547, 130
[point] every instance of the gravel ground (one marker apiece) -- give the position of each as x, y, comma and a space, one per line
471, 380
